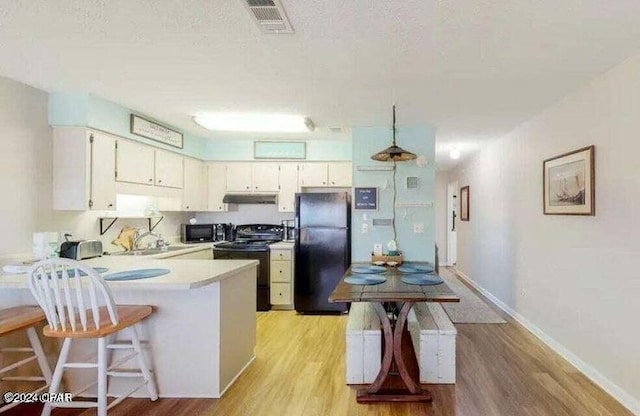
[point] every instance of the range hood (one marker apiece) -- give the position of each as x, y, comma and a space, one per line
250, 199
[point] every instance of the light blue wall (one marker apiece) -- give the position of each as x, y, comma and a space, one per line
242, 149
109, 116
421, 141
68, 109
83, 109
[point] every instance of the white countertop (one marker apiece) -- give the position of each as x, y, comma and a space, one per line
185, 274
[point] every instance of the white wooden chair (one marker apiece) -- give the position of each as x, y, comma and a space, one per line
78, 304
17, 319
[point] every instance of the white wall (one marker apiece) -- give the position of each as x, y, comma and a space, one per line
25, 177
577, 279
23, 126
440, 207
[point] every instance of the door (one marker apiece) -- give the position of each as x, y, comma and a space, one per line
194, 190
134, 163
169, 169
216, 187
313, 174
239, 177
266, 177
322, 257
288, 187
452, 222
103, 169
340, 174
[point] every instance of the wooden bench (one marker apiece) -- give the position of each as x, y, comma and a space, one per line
363, 344
434, 341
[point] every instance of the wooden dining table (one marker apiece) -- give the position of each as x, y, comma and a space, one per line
398, 378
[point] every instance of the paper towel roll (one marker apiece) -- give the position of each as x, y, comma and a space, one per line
41, 244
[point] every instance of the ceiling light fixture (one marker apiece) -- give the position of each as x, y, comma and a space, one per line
248, 122
393, 152
454, 154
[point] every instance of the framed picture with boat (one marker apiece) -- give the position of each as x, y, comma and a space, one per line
569, 183
464, 203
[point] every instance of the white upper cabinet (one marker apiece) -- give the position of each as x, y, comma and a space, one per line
194, 192
288, 187
135, 163
266, 177
83, 170
216, 187
340, 174
252, 177
313, 174
239, 177
103, 183
169, 169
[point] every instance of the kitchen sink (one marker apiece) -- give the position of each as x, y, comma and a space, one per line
148, 251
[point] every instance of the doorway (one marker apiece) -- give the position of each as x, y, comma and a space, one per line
452, 222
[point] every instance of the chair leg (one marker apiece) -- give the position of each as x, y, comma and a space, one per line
57, 374
39, 352
146, 373
102, 377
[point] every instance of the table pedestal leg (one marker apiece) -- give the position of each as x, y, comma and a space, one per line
393, 352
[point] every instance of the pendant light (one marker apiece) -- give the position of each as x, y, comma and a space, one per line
393, 152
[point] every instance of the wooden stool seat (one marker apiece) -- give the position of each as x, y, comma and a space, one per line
127, 315
20, 317
16, 319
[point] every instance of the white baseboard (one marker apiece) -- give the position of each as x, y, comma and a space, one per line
594, 375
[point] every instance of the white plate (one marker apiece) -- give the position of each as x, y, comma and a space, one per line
392, 263
378, 263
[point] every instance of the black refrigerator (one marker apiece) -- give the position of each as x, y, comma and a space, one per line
322, 249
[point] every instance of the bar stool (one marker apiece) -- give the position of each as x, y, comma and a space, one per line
78, 304
16, 319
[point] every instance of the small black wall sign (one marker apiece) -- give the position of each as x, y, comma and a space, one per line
366, 199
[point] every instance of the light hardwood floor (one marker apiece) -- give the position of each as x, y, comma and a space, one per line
299, 370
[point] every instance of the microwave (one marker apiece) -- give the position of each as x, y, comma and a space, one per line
205, 233
197, 233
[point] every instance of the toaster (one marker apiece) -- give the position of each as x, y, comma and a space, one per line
80, 250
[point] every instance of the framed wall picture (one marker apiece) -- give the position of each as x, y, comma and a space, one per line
569, 183
142, 127
464, 203
365, 199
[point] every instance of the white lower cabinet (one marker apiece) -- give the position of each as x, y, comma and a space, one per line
281, 275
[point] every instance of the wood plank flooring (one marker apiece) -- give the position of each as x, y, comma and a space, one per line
299, 370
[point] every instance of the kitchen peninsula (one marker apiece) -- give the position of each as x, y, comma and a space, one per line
202, 334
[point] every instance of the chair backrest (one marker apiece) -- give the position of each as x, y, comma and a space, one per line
66, 290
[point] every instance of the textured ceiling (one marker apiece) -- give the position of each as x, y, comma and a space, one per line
474, 69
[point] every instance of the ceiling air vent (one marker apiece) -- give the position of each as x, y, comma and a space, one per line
269, 15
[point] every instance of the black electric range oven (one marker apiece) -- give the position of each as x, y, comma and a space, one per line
252, 242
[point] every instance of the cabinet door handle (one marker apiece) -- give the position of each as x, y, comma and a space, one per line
151, 180
324, 183
110, 205
159, 180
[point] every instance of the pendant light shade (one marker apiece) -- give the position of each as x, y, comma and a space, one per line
394, 152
